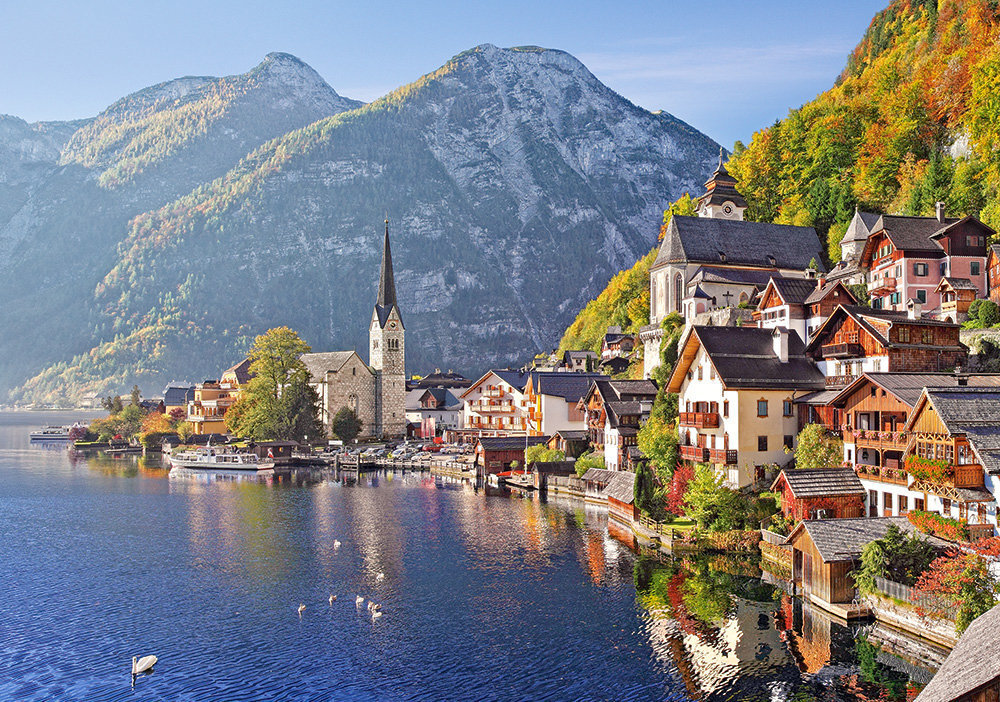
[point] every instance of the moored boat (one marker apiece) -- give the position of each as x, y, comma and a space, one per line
58, 433
219, 458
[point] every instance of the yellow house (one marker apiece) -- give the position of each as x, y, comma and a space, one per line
736, 391
213, 398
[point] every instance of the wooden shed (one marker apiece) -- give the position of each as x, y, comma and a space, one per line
621, 497
495, 454
820, 493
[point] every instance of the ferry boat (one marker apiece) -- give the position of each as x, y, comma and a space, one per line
219, 458
57, 433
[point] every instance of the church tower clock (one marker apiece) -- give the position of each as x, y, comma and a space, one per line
386, 348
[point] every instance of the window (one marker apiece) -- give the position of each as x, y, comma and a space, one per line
946, 506
678, 292
972, 240
903, 504
928, 336
761, 408
920, 269
699, 372
921, 296
711, 372
904, 335
725, 408
887, 503
894, 298
762, 443
788, 439
786, 408
974, 268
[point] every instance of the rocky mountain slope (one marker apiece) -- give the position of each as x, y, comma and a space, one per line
516, 183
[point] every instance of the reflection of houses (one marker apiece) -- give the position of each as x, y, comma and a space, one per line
824, 552
718, 260
820, 493
615, 409
971, 673
737, 388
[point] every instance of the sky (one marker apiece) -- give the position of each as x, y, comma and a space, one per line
727, 68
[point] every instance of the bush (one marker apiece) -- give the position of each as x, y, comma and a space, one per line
588, 460
988, 313
895, 556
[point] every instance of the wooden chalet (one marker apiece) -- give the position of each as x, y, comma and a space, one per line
971, 673
615, 409
621, 497
820, 493
825, 552
570, 441
855, 340
956, 296
954, 453
801, 304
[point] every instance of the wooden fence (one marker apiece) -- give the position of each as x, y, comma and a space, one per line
772, 538
906, 593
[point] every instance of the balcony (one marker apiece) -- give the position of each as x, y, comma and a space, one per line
883, 474
726, 457
883, 286
843, 350
694, 453
488, 407
839, 381
881, 440
700, 420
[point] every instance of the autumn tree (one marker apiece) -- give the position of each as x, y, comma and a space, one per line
958, 584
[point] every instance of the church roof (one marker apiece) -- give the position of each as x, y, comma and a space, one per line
386, 299
861, 226
736, 242
318, 364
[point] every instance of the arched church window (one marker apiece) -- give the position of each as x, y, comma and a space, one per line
678, 292
352, 402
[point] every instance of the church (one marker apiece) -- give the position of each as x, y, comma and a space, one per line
376, 391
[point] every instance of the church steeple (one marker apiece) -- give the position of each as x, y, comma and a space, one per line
721, 198
386, 299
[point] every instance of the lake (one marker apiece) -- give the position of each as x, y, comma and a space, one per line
484, 596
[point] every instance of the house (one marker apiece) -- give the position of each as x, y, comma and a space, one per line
177, 396
495, 454
906, 257
542, 470
579, 361
971, 672
717, 260
433, 410
617, 344
571, 442
207, 411
825, 551
615, 365
552, 400
856, 340
956, 295
820, 493
801, 305
495, 405
237, 376
953, 454
993, 273
595, 480
621, 497
736, 391
615, 409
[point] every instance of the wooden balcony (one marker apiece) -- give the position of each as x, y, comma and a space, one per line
725, 457
883, 474
844, 350
968, 476
839, 381
700, 420
694, 453
489, 407
881, 440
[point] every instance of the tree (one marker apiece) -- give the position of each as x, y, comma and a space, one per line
588, 460
136, 396
346, 425
645, 495
540, 453
712, 505
895, 556
817, 448
961, 584
116, 405
657, 439
988, 313
682, 477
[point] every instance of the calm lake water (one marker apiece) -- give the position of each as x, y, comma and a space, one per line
485, 597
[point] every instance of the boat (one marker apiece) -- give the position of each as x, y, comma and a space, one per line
219, 458
58, 433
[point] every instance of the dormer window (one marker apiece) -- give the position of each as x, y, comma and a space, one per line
771, 261
722, 256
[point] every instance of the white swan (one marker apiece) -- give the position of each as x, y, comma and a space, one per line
380, 576
302, 608
359, 600
333, 598
141, 665
336, 544
376, 608
376, 614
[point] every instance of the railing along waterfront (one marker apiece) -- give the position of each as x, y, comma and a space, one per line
907, 594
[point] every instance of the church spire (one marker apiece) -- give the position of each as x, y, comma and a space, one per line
386, 299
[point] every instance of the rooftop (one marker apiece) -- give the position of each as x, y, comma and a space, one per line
843, 539
821, 482
974, 662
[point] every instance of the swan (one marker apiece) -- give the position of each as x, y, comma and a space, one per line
376, 614
380, 577
333, 598
302, 608
376, 608
336, 544
141, 665
359, 600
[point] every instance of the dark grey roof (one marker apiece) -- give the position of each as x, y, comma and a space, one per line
744, 358
569, 386
515, 378
960, 283
510, 443
908, 386
822, 482
580, 354
600, 475
573, 435
794, 291
178, 394
974, 662
626, 390
863, 315
441, 380
820, 397
757, 277
709, 240
860, 226
621, 486
318, 364
821, 291
615, 365
913, 233
975, 412
617, 409
843, 539
241, 370
386, 299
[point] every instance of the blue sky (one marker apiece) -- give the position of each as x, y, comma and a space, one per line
727, 68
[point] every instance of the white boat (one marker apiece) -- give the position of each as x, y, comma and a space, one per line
219, 458
55, 433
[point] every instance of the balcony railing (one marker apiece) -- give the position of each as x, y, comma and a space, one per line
726, 457
700, 420
882, 440
882, 474
843, 350
492, 406
969, 476
839, 381
694, 453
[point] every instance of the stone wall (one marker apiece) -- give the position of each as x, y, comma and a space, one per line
353, 386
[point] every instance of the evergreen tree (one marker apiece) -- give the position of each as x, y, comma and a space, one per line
346, 425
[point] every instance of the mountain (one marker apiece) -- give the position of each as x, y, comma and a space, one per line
516, 185
910, 121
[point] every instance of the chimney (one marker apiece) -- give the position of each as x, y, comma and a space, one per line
939, 211
779, 338
961, 378
820, 281
914, 308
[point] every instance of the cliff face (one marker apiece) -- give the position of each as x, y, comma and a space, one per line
516, 185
